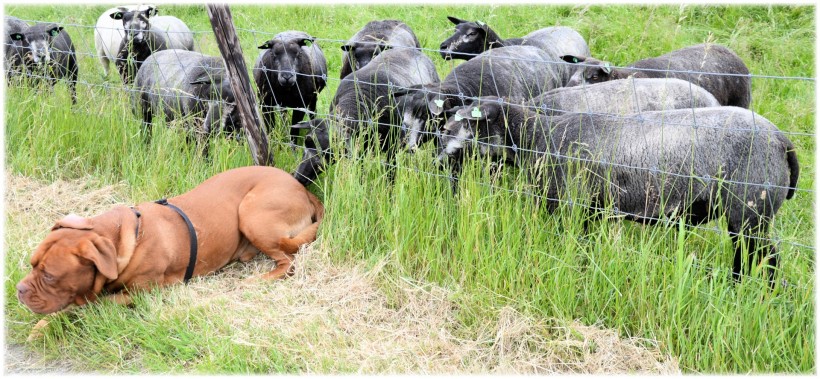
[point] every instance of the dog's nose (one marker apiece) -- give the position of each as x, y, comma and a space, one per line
22, 289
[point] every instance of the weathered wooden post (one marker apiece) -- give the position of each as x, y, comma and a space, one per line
225, 33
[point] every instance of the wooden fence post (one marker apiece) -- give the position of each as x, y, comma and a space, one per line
225, 33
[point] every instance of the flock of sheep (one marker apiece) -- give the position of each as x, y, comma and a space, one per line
669, 136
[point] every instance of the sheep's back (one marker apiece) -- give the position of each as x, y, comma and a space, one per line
642, 159
512, 71
564, 40
174, 31
625, 96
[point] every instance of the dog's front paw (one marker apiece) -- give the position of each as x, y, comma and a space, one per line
37, 330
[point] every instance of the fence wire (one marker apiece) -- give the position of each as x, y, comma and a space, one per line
83, 48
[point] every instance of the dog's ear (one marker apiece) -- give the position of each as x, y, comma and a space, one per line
101, 251
73, 221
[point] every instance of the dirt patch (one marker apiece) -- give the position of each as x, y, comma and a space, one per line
360, 316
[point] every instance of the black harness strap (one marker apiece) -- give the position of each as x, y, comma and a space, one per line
189, 272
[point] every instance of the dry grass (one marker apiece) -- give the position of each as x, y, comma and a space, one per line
359, 318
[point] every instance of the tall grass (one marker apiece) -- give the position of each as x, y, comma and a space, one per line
492, 243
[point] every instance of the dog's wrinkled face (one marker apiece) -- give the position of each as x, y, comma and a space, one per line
69, 267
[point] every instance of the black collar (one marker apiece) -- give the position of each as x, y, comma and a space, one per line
139, 220
189, 272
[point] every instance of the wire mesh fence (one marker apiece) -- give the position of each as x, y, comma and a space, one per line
384, 89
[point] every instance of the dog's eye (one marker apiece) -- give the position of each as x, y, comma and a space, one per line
48, 277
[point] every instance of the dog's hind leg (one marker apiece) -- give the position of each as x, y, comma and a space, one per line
268, 239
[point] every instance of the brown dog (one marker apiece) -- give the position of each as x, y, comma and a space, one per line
235, 214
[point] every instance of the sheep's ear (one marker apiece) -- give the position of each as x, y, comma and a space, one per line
482, 26
572, 59
306, 41
116, 15
383, 47
152, 11
436, 106
205, 79
266, 45
606, 67
301, 125
55, 31
346, 47
456, 21
470, 113
16, 36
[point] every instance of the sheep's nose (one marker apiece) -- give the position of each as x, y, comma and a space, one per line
287, 79
443, 46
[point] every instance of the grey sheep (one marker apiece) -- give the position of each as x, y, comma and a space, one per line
473, 38
12, 52
699, 164
521, 72
186, 84
47, 54
714, 67
624, 96
362, 95
375, 37
290, 72
146, 34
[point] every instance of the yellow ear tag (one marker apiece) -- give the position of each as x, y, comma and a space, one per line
439, 102
458, 117
476, 112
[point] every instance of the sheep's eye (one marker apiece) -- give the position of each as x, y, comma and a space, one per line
594, 77
471, 34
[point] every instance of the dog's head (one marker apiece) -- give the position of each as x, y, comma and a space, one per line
69, 267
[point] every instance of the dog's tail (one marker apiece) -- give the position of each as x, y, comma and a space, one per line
291, 245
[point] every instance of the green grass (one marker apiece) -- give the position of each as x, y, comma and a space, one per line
494, 246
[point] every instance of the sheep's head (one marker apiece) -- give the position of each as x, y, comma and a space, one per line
470, 38
422, 107
135, 22
214, 90
316, 151
361, 53
589, 70
483, 120
286, 59
36, 44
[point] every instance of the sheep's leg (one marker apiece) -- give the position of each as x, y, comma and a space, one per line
296, 117
147, 119
758, 250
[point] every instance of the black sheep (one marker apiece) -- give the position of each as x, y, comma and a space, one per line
699, 164
365, 97
371, 40
473, 38
290, 72
716, 68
